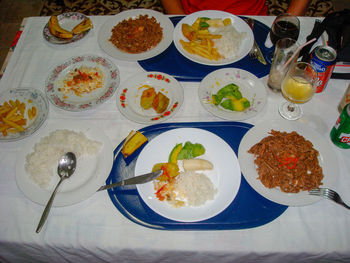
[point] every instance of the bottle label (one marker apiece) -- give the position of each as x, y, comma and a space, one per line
337, 123
344, 138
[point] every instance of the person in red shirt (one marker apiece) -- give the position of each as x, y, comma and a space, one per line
237, 7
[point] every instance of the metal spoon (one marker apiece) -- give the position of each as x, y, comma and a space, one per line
65, 169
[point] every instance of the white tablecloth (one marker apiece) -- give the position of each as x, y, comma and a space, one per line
95, 231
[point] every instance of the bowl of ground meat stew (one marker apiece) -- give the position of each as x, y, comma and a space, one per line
283, 160
136, 34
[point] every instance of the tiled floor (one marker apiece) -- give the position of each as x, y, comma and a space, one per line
12, 13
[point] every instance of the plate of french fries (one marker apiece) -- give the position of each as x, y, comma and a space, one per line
22, 112
213, 37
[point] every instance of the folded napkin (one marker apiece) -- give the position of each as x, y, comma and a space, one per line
337, 26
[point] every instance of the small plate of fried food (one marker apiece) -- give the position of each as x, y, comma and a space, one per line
136, 34
150, 97
67, 28
282, 160
213, 37
22, 112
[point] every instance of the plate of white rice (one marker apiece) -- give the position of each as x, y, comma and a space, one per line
236, 41
212, 190
36, 168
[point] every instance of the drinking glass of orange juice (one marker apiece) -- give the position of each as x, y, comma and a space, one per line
298, 87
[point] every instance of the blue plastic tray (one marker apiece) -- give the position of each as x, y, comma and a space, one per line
248, 209
172, 62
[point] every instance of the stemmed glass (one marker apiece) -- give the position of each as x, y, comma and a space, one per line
285, 26
298, 87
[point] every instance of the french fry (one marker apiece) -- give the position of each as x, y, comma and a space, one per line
30, 114
12, 117
14, 125
4, 110
4, 127
22, 108
12, 103
10, 114
202, 45
208, 36
34, 111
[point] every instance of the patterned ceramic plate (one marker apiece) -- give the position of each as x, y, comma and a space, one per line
249, 85
31, 98
129, 96
84, 101
67, 21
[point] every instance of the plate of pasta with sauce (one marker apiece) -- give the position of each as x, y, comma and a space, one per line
136, 34
283, 160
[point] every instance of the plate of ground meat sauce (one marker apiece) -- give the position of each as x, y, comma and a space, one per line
283, 160
136, 34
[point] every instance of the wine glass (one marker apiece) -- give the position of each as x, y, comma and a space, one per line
298, 87
285, 26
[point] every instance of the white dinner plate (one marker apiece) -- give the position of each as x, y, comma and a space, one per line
106, 32
32, 98
129, 96
67, 21
250, 86
226, 175
72, 102
327, 161
90, 174
236, 22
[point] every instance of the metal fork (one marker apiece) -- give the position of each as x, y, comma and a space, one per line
328, 194
255, 52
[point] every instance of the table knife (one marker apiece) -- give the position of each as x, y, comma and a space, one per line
259, 54
141, 179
